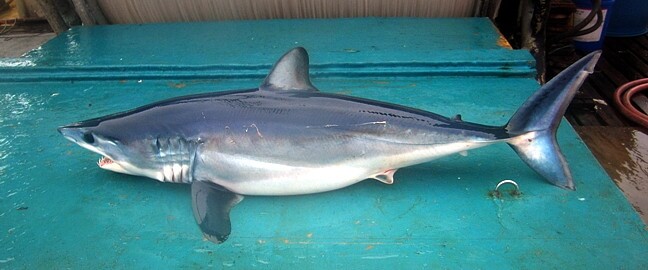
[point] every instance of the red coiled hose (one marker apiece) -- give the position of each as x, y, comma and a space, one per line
623, 99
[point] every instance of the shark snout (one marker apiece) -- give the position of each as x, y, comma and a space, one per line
84, 137
79, 135
70, 133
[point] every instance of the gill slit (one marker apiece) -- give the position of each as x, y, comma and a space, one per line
177, 157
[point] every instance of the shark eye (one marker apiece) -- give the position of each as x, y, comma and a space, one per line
88, 138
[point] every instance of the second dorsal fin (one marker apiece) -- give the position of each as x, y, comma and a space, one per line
290, 73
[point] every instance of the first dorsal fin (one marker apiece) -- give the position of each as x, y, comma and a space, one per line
290, 73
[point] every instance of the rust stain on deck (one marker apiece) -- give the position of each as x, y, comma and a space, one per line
502, 42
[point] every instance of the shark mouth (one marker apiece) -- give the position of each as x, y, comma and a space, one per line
104, 161
107, 163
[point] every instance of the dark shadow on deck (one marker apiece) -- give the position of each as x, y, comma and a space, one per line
620, 145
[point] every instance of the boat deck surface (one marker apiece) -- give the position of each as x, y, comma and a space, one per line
59, 210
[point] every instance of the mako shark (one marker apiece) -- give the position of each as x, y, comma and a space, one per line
286, 138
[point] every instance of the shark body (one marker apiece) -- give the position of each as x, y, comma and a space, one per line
286, 138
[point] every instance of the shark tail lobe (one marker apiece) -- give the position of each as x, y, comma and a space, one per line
533, 126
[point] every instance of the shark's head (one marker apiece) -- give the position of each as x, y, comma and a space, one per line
122, 152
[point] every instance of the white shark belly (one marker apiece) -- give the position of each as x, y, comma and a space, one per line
248, 175
297, 180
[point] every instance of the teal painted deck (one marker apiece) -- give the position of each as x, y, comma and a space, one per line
59, 210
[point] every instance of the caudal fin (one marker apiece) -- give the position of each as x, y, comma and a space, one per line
533, 127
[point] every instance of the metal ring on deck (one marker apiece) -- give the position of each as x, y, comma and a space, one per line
507, 181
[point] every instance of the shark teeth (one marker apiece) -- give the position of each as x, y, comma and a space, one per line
103, 161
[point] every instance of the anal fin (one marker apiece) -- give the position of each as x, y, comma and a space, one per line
386, 177
211, 207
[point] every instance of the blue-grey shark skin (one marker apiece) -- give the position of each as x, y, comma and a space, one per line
287, 138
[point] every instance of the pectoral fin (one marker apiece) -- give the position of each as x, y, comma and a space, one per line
211, 207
